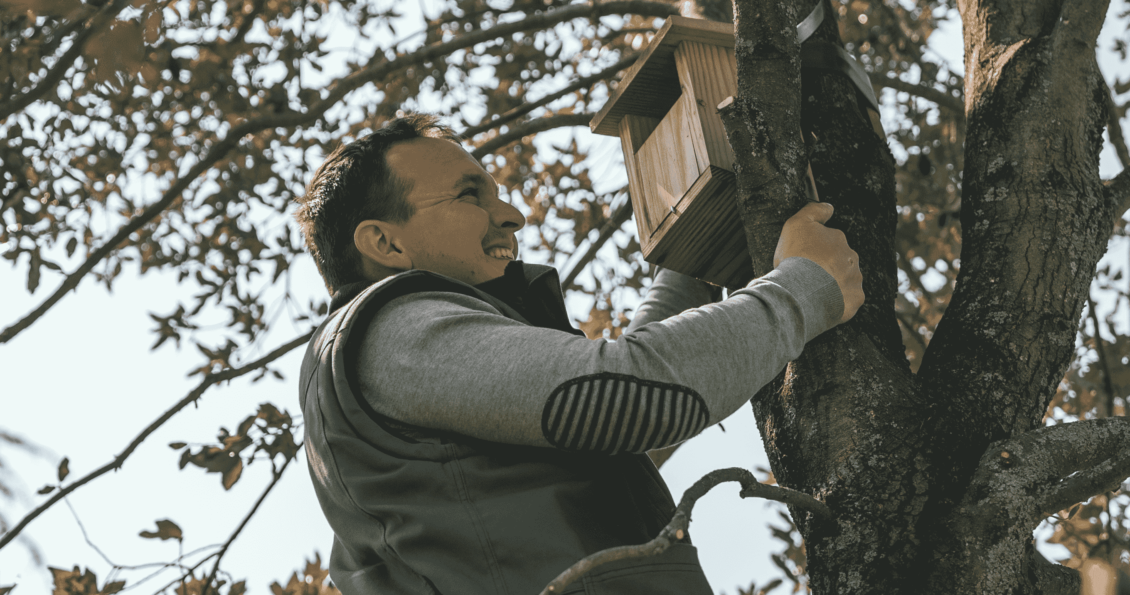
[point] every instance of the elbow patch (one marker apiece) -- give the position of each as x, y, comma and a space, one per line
613, 413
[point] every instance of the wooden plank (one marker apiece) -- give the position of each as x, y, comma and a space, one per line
711, 72
706, 240
669, 162
634, 130
651, 86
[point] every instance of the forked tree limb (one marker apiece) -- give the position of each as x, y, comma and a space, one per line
338, 91
191, 397
676, 530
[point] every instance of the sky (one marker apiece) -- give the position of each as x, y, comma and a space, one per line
82, 382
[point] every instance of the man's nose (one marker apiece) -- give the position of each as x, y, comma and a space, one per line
507, 216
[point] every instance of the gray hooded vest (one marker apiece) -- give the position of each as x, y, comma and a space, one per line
422, 511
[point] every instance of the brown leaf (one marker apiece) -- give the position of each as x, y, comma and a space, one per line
166, 529
153, 26
72, 582
236, 589
45, 490
64, 468
33, 271
232, 474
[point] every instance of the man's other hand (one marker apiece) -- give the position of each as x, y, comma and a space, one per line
804, 235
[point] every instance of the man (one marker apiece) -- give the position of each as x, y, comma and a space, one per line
462, 436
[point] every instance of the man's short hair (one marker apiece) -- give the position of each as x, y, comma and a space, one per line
355, 184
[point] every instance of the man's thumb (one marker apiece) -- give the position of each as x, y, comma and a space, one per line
819, 212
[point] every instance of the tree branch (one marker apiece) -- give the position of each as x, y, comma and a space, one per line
941, 98
676, 530
522, 110
1106, 405
1022, 480
1114, 130
344, 85
220, 556
196, 393
528, 128
1102, 478
622, 214
100, 20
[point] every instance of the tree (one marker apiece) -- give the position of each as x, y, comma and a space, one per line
175, 135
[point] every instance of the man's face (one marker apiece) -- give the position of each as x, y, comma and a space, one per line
459, 214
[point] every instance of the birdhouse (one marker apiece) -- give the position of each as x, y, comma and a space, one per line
680, 165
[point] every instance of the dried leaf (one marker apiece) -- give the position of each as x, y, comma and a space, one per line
232, 475
153, 26
177, 445
64, 468
45, 490
166, 529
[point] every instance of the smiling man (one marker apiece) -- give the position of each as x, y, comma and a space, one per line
461, 435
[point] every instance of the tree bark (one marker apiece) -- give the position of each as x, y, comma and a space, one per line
895, 455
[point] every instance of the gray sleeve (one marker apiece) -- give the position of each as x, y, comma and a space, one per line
670, 293
452, 362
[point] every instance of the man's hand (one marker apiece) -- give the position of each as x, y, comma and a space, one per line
804, 235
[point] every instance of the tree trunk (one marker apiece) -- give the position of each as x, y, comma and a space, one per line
903, 460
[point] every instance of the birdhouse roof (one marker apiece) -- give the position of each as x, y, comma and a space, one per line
651, 86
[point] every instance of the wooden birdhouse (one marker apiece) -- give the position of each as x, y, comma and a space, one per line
680, 165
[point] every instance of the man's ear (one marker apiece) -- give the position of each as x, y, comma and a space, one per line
379, 247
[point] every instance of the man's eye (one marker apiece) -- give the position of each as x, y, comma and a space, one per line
472, 192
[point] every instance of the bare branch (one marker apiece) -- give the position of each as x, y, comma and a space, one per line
623, 212
528, 128
1118, 192
1106, 405
343, 87
196, 393
941, 98
1020, 481
1102, 478
522, 110
220, 556
100, 20
1114, 130
676, 530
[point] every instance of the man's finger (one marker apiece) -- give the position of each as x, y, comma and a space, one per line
819, 212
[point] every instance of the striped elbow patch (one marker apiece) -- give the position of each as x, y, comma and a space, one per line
613, 413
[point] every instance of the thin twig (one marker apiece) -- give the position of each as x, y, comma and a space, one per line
524, 109
196, 393
676, 530
216, 567
1106, 405
528, 128
1114, 130
344, 86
